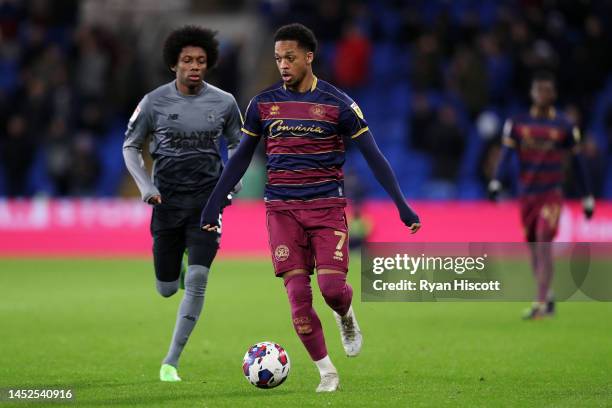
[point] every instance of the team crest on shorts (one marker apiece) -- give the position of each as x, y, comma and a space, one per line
281, 253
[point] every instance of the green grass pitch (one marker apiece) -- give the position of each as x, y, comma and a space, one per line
99, 328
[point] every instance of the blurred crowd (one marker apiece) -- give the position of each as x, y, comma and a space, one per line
464, 66
436, 80
62, 86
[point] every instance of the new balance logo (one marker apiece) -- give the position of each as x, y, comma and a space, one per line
173, 116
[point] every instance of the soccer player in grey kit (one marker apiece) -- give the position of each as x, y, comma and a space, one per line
185, 120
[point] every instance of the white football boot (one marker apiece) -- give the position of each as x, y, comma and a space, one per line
330, 382
349, 332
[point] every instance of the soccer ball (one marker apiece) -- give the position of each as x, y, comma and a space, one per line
266, 365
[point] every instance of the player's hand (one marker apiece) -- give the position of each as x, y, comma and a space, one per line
154, 200
210, 228
410, 219
588, 207
209, 221
494, 189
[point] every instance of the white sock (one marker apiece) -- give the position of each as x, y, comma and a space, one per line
325, 366
349, 312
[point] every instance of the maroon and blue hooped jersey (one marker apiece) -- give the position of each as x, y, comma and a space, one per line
542, 144
304, 138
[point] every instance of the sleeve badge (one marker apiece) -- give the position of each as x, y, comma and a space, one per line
355, 108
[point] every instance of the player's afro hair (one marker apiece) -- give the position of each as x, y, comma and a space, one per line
297, 32
193, 36
543, 76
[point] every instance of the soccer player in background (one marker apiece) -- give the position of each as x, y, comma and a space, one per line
541, 139
305, 123
185, 120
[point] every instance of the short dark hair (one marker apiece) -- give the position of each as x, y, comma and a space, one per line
191, 36
544, 76
297, 32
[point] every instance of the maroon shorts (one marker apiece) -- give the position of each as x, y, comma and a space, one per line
308, 239
540, 216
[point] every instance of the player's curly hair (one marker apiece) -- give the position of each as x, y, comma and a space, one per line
543, 75
297, 32
191, 36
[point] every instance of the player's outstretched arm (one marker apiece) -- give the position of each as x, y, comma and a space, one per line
139, 126
495, 185
235, 169
135, 165
231, 150
509, 145
385, 176
232, 135
584, 184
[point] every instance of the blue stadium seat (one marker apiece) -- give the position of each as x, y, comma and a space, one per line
390, 23
471, 156
413, 170
607, 188
440, 190
382, 63
9, 72
470, 189
602, 106
2, 182
38, 179
399, 95
110, 155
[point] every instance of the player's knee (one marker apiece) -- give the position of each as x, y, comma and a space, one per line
333, 286
196, 280
167, 289
299, 290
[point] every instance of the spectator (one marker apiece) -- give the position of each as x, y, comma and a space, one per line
93, 64
445, 143
58, 156
468, 79
352, 58
498, 67
17, 155
92, 119
420, 120
426, 69
85, 168
59, 79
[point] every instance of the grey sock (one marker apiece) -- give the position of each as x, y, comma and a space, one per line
189, 311
167, 289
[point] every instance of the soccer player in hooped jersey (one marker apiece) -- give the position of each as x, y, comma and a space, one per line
305, 123
185, 120
541, 139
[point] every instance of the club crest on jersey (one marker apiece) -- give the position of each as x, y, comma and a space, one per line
554, 134
274, 110
525, 132
355, 107
317, 112
281, 253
